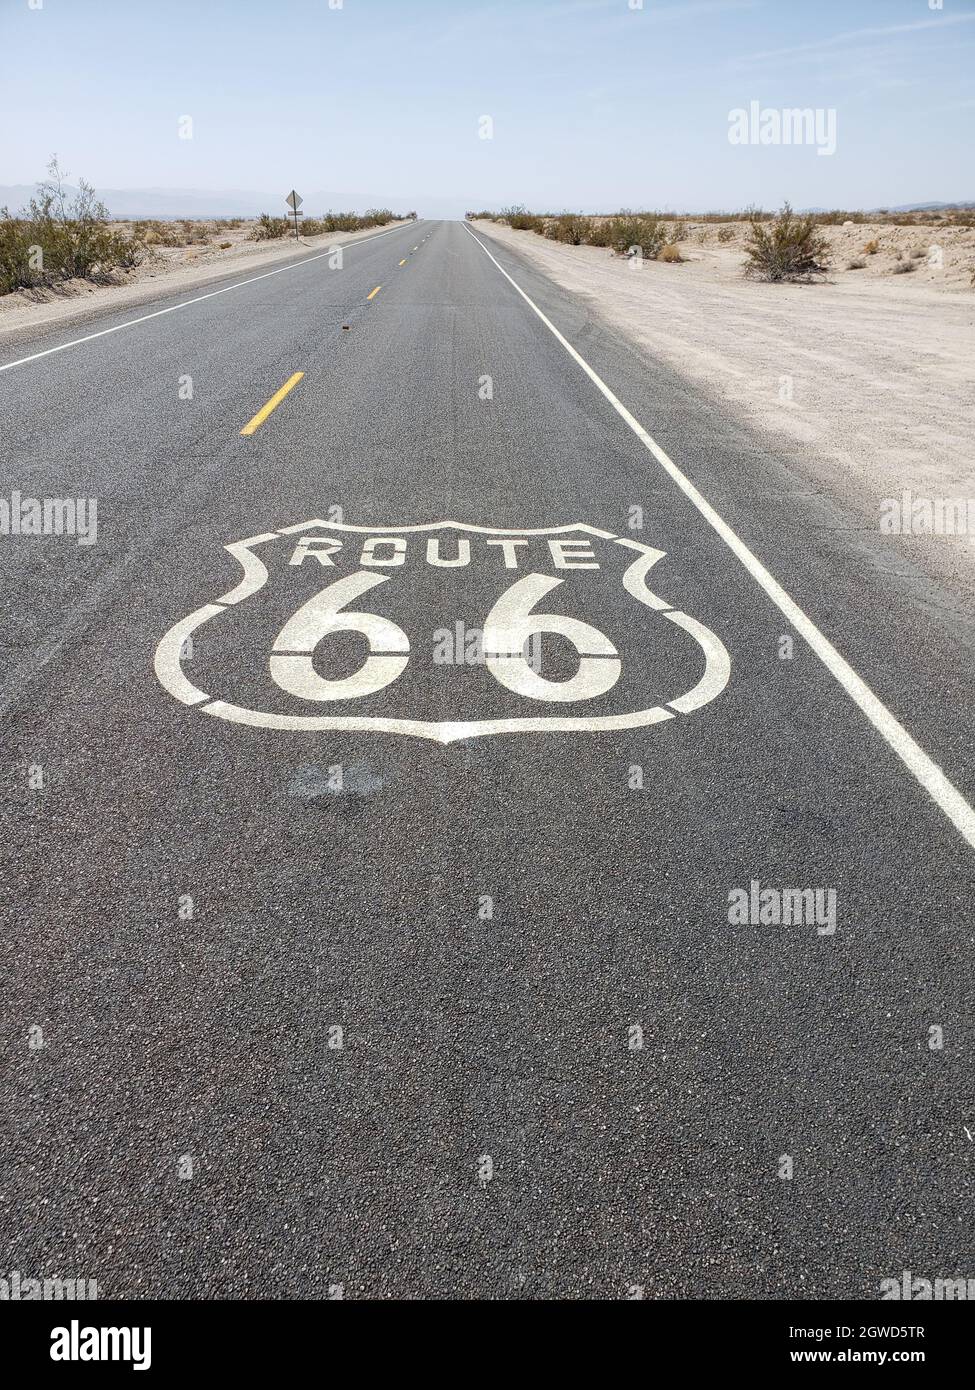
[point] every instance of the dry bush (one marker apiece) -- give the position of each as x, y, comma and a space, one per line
184, 231
569, 228
872, 247
788, 249
671, 255
858, 264
56, 238
726, 234
521, 220
628, 233
195, 233
269, 228
154, 233
600, 233
837, 218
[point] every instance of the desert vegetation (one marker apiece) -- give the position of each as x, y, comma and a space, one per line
625, 233
774, 246
963, 217
64, 235
787, 248
183, 231
269, 228
57, 238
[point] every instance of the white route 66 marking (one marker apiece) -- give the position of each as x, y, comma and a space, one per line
510, 624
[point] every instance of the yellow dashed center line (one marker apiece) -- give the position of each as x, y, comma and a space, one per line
272, 404
374, 293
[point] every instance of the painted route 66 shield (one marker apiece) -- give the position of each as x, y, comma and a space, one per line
442, 631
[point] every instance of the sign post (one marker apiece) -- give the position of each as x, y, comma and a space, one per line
294, 201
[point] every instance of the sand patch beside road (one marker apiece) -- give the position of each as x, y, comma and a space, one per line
870, 382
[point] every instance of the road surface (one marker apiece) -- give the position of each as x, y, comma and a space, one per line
351, 956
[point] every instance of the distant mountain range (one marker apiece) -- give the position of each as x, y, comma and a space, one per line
906, 207
933, 207
236, 202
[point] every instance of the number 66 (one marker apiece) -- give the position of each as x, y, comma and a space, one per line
509, 627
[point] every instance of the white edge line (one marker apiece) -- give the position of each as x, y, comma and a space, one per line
911, 754
157, 313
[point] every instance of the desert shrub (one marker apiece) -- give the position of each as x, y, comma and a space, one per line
569, 228
918, 255
788, 249
599, 233
671, 255
60, 238
340, 222
858, 264
350, 221
627, 232
225, 245
678, 232
837, 217
521, 220
726, 234
16, 270
183, 232
269, 228
153, 233
194, 233
872, 247
904, 267
127, 251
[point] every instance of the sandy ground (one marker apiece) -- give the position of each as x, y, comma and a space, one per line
165, 270
871, 374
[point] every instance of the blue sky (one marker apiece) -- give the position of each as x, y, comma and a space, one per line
595, 105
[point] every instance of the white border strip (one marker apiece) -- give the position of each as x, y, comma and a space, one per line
911, 754
238, 284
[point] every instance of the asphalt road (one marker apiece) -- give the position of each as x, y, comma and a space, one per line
393, 1048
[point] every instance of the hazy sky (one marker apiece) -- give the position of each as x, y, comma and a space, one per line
595, 104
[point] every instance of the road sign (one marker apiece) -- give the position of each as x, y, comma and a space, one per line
294, 201
637, 661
